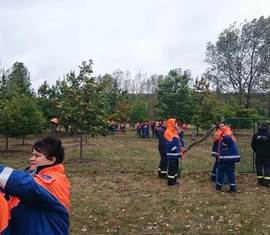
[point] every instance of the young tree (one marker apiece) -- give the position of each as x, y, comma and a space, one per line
174, 96
240, 59
18, 81
81, 102
204, 105
46, 96
138, 112
19, 117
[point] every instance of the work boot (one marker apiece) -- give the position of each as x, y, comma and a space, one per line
260, 181
162, 175
213, 178
218, 187
171, 182
266, 183
232, 188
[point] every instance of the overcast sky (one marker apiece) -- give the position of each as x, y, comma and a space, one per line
52, 37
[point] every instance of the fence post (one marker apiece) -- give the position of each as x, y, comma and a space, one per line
253, 154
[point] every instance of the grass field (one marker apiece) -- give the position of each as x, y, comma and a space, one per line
115, 190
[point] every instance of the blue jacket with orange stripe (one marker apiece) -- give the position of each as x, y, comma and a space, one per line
39, 203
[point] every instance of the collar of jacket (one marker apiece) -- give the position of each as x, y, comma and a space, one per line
57, 167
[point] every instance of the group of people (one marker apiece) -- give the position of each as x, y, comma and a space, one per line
226, 154
152, 128
113, 126
143, 129
36, 200
224, 150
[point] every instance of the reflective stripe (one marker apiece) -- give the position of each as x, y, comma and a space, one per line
219, 184
232, 184
173, 148
213, 174
267, 178
4, 175
215, 153
173, 154
163, 172
259, 177
171, 177
230, 157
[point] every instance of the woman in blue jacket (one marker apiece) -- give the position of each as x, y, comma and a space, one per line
40, 198
228, 155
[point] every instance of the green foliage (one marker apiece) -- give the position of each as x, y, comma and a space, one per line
45, 101
204, 113
80, 101
242, 112
109, 87
20, 116
18, 81
117, 103
239, 60
138, 112
174, 96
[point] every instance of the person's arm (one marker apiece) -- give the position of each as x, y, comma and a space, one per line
253, 143
22, 185
173, 147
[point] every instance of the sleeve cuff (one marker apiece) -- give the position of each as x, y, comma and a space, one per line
4, 176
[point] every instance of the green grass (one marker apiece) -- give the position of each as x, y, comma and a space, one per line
115, 190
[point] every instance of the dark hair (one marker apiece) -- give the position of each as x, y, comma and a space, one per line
50, 147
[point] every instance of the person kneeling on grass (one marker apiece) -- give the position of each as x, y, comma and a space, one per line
173, 151
228, 155
39, 197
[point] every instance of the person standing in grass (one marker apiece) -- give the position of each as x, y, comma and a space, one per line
173, 151
227, 156
261, 146
40, 197
222, 130
162, 168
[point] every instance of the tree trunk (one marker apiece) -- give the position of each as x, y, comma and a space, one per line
23, 140
81, 145
6, 141
248, 98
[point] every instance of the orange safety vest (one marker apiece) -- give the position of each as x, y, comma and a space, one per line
57, 184
4, 213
